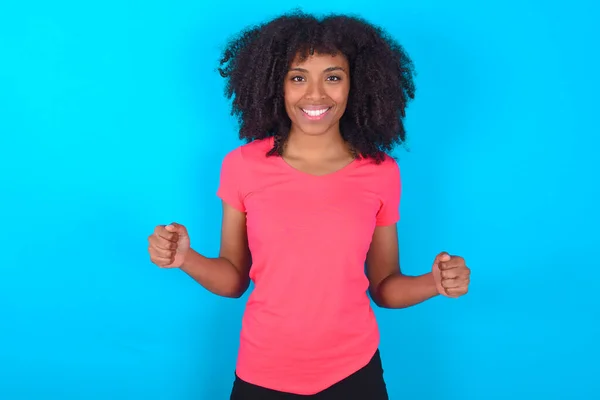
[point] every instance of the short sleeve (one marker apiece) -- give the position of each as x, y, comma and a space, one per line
390, 190
231, 179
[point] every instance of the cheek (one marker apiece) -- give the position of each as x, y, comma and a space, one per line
339, 95
291, 89
292, 96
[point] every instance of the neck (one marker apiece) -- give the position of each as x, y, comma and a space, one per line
302, 145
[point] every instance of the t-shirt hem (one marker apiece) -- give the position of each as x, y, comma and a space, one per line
314, 387
234, 204
387, 222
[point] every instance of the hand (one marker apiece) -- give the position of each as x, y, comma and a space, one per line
168, 245
451, 275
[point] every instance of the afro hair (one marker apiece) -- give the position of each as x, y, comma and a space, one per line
256, 61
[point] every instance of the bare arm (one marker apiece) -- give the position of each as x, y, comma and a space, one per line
226, 275
389, 288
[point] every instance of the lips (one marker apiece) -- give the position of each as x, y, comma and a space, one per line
315, 112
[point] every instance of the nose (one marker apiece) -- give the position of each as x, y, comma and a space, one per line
315, 90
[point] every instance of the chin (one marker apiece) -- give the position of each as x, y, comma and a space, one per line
314, 130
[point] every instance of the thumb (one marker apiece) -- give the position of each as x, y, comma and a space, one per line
442, 257
177, 228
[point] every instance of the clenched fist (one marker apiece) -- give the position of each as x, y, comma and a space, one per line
451, 275
168, 245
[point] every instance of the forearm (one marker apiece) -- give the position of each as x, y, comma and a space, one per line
217, 275
401, 291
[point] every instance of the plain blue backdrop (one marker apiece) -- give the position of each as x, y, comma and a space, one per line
112, 120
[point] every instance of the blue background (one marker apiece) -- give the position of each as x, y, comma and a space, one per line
112, 120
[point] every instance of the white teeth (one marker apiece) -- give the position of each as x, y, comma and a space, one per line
316, 113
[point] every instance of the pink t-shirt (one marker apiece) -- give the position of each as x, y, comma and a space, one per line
308, 322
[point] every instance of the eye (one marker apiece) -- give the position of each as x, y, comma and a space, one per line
297, 78
334, 78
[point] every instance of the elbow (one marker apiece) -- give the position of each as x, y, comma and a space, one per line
377, 298
387, 304
236, 291
386, 293
234, 294
231, 295
237, 283
381, 304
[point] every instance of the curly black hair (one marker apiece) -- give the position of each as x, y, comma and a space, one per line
256, 61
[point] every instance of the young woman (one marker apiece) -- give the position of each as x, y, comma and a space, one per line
310, 200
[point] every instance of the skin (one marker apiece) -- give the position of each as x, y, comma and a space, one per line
315, 147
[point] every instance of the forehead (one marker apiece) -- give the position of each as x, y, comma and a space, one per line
320, 61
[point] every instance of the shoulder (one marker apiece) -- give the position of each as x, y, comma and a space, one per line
389, 164
388, 168
382, 177
388, 185
256, 150
248, 153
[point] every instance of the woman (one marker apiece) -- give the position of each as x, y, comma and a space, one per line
310, 199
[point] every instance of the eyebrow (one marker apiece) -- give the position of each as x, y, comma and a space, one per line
330, 69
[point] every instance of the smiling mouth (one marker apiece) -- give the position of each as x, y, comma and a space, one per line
315, 114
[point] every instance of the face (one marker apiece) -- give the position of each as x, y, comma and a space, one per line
316, 93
